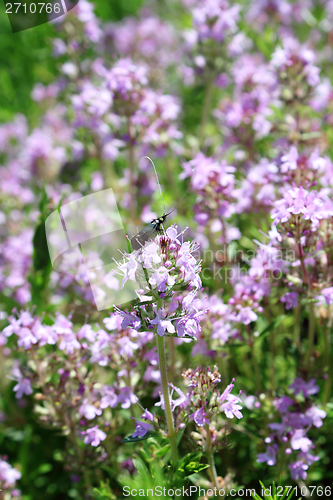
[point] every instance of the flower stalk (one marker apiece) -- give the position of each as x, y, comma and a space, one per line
210, 458
311, 334
166, 398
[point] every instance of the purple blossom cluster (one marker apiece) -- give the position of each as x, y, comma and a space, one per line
200, 383
15, 263
213, 35
148, 39
235, 101
121, 110
245, 117
203, 404
8, 477
290, 436
167, 268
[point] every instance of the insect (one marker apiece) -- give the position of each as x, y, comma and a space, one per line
156, 225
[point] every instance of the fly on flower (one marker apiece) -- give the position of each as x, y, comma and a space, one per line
156, 225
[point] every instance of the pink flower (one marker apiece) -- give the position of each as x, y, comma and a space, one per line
23, 387
289, 160
300, 442
269, 456
316, 415
89, 411
199, 417
163, 325
298, 470
142, 428
8, 475
94, 436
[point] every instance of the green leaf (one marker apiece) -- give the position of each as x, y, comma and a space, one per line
271, 327
190, 464
194, 467
44, 468
103, 492
42, 267
186, 336
163, 451
130, 439
292, 493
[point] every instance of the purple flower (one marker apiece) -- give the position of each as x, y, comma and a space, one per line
142, 428
148, 38
94, 436
297, 55
163, 324
246, 316
23, 387
183, 401
189, 325
110, 398
150, 255
126, 347
289, 160
84, 11
308, 458
128, 269
299, 201
26, 338
300, 442
290, 299
269, 456
89, 411
86, 332
283, 404
231, 407
8, 475
328, 295
130, 320
126, 397
129, 466
199, 417
161, 279
69, 343
308, 388
298, 470
229, 403
315, 415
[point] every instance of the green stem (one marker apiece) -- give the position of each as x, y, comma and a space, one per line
312, 324
304, 271
206, 109
131, 161
128, 380
210, 459
312, 319
80, 455
106, 168
328, 366
272, 346
224, 367
297, 315
254, 361
166, 398
172, 357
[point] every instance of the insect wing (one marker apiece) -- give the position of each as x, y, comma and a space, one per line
146, 234
142, 276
